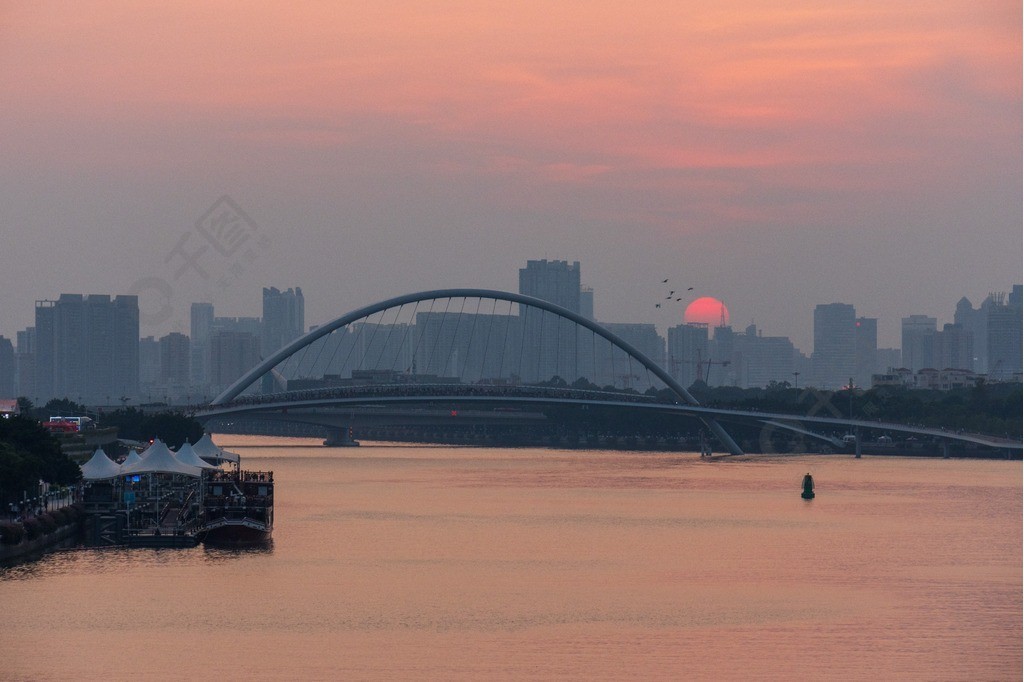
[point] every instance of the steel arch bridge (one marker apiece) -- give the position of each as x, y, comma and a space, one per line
435, 342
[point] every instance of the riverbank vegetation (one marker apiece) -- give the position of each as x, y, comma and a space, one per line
29, 454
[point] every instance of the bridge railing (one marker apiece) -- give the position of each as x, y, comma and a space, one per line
433, 391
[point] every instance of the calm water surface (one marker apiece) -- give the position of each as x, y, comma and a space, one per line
411, 562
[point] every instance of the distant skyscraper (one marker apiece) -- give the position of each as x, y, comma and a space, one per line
835, 345
688, 352
587, 303
764, 359
618, 371
25, 363
201, 315
174, 358
866, 354
87, 347
724, 348
149, 367
232, 354
6, 368
1003, 326
953, 348
974, 323
284, 315
919, 342
554, 339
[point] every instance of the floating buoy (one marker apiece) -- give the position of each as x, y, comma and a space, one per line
808, 493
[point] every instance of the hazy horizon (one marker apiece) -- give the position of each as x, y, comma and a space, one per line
775, 157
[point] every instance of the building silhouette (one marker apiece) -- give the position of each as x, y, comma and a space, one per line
554, 341
284, 315
7, 368
232, 354
87, 348
25, 363
918, 342
200, 327
835, 345
688, 350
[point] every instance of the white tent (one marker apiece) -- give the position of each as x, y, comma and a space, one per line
207, 449
100, 466
132, 458
158, 459
187, 455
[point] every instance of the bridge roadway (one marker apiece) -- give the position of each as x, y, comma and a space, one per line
296, 402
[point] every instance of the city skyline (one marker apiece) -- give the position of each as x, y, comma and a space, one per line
773, 157
78, 339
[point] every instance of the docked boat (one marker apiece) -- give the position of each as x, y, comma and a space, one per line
237, 507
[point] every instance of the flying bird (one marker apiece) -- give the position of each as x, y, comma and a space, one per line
664, 281
690, 289
679, 299
657, 305
671, 292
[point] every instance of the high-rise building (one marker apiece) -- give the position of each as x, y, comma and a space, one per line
201, 319
473, 347
761, 360
619, 371
688, 352
284, 315
721, 368
953, 348
587, 303
555, 340
87, 348
973, 322
866, 353
835, 345
25, 363
1003, 327
232, 354
149, 367
174, 358
6, 368
919, 342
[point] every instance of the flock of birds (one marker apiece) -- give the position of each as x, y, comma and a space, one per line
671, 294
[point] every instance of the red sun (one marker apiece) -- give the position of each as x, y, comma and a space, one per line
708, 310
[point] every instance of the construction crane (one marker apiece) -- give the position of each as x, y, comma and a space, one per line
705, 374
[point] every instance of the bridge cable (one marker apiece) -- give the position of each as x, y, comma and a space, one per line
351, 348
524, 315
405, 337
472, 331
487, 339
455, 338
420, 334
504, 345
430, 358
387, 340
312, 367
343, 334
373, 334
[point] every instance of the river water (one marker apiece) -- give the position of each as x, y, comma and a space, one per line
418, 562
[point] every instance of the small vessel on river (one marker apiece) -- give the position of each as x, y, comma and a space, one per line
238, 507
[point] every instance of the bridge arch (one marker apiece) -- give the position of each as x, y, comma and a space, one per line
267, 365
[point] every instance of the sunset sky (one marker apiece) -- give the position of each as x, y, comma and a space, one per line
775, 155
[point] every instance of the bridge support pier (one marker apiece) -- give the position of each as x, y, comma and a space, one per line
856, 443
723, 436
341, 437
945, 450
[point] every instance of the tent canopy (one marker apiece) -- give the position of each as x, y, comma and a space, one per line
207, 449
100, 467
158, 459
187, 455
